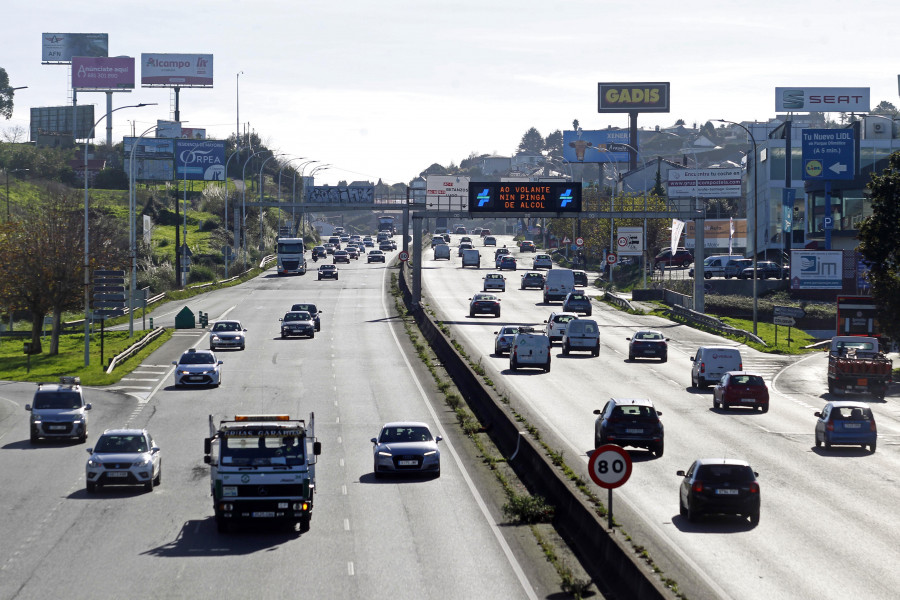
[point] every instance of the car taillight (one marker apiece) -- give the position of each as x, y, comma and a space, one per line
829, 426
703, 367
740, 366
754, 488
872, 426
697, 487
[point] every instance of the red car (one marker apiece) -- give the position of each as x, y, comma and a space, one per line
740, 388
681, 258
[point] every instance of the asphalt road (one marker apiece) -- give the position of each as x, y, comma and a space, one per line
829, 525
390, 538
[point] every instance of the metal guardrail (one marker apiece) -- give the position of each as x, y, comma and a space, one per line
713, 323
618, 301
133, 349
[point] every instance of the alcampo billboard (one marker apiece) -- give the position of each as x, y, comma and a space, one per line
633, 97
176, 70
102, 73
62, 47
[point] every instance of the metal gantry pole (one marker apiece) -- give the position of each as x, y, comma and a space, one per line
132, 230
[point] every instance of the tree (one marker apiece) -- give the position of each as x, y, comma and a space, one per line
554, 145
6, 95
575, 124
434, 169
532, 142
878, 235
886, 108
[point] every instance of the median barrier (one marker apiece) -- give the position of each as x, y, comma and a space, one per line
605, 555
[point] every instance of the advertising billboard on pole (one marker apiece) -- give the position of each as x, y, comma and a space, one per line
102, 73
59, 48
718, 234
200, 160
596, 146
817, 269
153, 158
176, 70
704, 183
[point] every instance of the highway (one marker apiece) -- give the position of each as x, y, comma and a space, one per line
829, 525
390, 538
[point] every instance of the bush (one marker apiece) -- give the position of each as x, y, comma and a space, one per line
201, 274
528, 509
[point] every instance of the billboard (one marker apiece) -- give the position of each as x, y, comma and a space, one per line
716, 233
62, 47
58, 120
102, 74
524, 198
202, 160
153, 158
351, 194
176, 70
633, 97
446, 193
816, 269
173, 129
704, 183
603, 146
821, 99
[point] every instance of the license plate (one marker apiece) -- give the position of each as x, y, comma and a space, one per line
195, 378
117, 474
852, 426
862, 382
748, 399
727, 492
649, 351
407, 463
634, 431
263, 515
56, 427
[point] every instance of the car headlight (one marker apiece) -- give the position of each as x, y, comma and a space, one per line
214, 338
430, 452
94, 463
238, 337
183, 372
383, 453
142, 462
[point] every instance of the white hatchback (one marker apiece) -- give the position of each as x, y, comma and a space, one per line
556, 324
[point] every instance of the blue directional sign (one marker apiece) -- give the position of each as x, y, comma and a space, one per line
828, 154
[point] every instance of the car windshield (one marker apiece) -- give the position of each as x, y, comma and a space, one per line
563, 318
725, 473
484, 297
310, 308
297, 316
327, 268
850, 413
57, 400
494, 276
290, 247
227, 327
747, 380
648, 335
404, 434
121, 443
262, 451
509, 331
197, 358
634, 411
577, 297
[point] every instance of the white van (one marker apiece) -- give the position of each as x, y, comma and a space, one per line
471, 258
581, 334
714, 266
558, 284
530, 348
711, 362
441, 251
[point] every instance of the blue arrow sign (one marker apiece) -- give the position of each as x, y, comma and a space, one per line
828, 154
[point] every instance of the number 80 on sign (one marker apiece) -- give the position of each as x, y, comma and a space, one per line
610, 466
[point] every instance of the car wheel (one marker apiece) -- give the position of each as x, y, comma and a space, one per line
471, 314
148, 487
681, 509
312, 335
872, 448
715, 402
565, 348
376, 472
588, 313
827, 444
283, 335
158, 479
707, 275
91, 487
335, 277
304, 524
754, 518
764, 408
513, 365
818, 441
830, 387
547, 367
34, 439
595, 351
703, 384
692, 514
597, 441
727, 276
82, 439
243, 346
319, 278
631, 357
664, 358
658, 449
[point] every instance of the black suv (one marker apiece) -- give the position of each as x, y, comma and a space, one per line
629, 422
312, 310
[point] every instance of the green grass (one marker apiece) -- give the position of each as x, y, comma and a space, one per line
14, 364
793, 345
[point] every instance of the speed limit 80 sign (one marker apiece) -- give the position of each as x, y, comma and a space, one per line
610, 466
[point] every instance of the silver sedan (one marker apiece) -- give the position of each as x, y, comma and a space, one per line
406, 447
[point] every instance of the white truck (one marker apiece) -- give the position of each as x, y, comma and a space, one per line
262, 468
291, 257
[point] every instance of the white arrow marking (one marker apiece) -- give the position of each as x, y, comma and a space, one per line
838, 167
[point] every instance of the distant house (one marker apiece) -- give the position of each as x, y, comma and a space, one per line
496, 165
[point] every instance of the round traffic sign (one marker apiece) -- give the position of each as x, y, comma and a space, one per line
610, 466
622, 241
579, 241
612, 258
404, 255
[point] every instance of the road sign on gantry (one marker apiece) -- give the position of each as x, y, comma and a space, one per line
610, 466
630, 241
525, 198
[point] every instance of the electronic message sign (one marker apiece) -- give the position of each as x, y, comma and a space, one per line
527, 197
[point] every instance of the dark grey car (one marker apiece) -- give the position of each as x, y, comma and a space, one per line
578, 302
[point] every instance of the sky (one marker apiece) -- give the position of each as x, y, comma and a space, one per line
382, 90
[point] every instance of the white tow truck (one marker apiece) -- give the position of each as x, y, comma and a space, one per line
262, 468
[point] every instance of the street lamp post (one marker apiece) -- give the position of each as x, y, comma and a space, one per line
286, 163
753, 223
132, 231
236, 152
244, 202
87, 262
8, 171
261, 185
